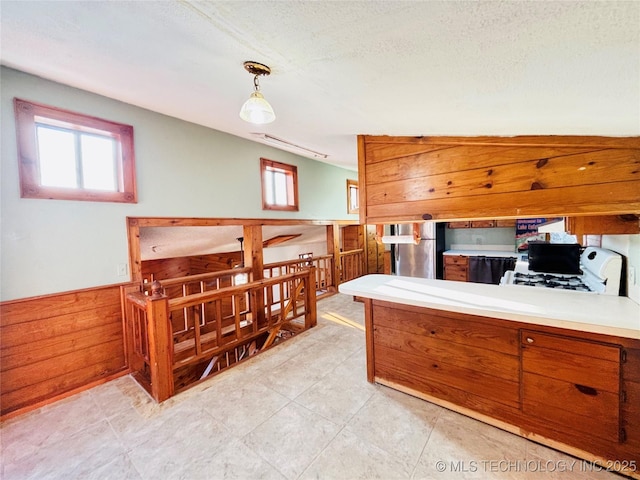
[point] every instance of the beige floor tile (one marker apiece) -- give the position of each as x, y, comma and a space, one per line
544, 463
75, 456
232, 461
349, 457
119, 468
464, 448
291, 439
335, 397
395, 422
120, 394
25, 435
240, 403
184, 437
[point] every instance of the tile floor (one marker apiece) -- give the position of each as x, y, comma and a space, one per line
302, 410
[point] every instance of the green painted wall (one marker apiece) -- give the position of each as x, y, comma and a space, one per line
183, 170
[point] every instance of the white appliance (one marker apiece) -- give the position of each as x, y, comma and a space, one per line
601, 273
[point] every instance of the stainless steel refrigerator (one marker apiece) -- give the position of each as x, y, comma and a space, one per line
423, 260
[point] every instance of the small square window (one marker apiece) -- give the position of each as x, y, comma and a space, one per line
279, 185
352, 196
70, 156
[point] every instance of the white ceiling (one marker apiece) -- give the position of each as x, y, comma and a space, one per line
349, 67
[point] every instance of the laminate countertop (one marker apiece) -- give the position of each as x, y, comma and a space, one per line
587, 312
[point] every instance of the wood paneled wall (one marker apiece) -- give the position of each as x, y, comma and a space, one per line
56, 344
182, 266
448, 178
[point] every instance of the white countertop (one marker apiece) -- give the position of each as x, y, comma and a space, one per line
486, 253
588, 312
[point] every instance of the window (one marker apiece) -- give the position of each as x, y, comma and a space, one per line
279, 185
352, 196
69, 156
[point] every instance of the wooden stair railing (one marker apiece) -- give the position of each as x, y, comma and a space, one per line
273, 333
158, 356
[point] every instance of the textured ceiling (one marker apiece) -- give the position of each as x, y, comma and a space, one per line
347, 68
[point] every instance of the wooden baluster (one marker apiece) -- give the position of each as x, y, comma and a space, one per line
160, 343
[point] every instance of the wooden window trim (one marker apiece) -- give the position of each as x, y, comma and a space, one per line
26, 113
352, 183
292, 185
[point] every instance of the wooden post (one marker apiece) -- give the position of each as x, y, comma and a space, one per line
311, 315
160, 344
253, 258
333, 248
128, 319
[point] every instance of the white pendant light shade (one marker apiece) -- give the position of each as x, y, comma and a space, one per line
257, 110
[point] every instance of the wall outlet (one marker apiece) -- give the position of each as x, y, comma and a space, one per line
631, 276
122, 269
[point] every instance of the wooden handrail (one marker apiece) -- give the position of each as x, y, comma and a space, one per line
352, 252
269, 266
201, 276
211, 295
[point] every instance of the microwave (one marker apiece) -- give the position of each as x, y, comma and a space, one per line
561, 258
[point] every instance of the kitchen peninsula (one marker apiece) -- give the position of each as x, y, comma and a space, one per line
559, 368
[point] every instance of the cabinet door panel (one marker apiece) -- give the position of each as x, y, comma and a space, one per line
592, 412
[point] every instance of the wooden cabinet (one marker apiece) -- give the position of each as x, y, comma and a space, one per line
509, 222
604, 225
574, 391
462, 359
571, 384
464, 224
482, 224
408, 179
456, 267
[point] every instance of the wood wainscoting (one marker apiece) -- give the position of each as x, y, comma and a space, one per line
59, 344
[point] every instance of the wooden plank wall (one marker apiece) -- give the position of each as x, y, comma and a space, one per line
214, 262
56, 344
448, 178
182, 266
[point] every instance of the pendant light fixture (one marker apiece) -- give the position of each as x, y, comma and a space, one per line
257, 110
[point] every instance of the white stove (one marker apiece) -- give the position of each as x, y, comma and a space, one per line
601, 272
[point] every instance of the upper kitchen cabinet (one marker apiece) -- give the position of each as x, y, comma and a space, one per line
604, 225
410, 179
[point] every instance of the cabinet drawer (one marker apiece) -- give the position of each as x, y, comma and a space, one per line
466, 224
456, 260
506, 223
456, 273
575, 367
603, 351
483, 223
